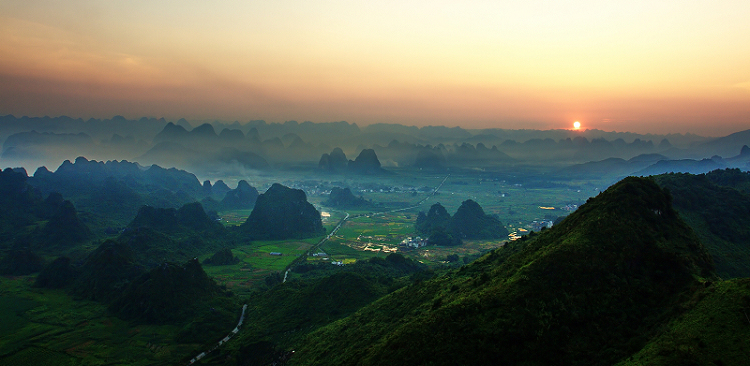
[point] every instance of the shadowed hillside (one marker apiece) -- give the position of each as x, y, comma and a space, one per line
717, 206
281, 213
166, 293
591, 290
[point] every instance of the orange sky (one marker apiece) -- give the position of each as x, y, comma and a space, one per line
675, 66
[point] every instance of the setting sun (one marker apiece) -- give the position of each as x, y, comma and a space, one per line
576, 125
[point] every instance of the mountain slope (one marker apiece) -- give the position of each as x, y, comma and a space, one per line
714, 330
719, 214
589, 291
281, 213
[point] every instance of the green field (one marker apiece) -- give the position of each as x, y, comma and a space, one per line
48, 327
234, 217
377, 231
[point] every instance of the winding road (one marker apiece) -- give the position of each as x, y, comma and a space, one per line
223, 340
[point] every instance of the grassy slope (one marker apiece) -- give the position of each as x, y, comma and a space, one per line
720, 215
48, 327
589, 291
283, 314
714, 331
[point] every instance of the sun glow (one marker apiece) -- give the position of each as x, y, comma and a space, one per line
576, 125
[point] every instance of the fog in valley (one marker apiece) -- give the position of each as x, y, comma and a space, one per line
162, 242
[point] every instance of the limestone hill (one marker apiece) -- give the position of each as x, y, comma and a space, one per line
470, 222
222, 258
344, 198
190, 217
366, 163
65, 228
166, 293
282, 213
106, 272
243, 197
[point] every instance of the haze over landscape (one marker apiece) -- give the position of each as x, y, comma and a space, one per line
634, 66
348, 183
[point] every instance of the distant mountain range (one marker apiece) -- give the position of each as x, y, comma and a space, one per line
257, 145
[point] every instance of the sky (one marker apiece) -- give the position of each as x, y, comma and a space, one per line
639, 66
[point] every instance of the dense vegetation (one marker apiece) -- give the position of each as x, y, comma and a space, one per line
27, 221
282, 213
713, 330
170, 292
469, 222
285, 313
717, 206
189, 218
589, 291
112, 193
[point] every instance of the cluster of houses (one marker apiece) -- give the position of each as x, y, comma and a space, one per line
569, 207
538, 225
414, 242
325, 258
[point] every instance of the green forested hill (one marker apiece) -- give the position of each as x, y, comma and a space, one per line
714, 331
593, 290
284, 313
717, 206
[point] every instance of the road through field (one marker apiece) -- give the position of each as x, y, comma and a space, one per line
316, 247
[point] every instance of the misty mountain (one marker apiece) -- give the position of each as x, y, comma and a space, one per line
142, 129
314, 132
242, 197
35, 142
115, 190
366, 163
726, 146
683, 166
259, 145
188, 218
614, 167
27, 221
33, 139
742, 160
334, 162
220, 189
344, 198
430, 158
